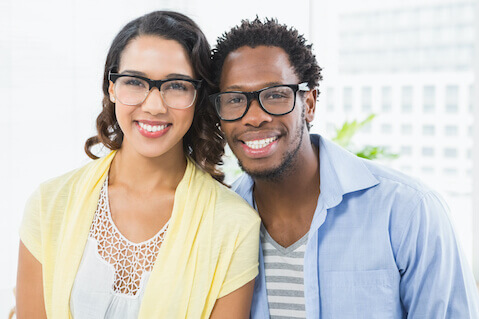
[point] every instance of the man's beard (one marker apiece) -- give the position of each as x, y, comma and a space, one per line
288, 161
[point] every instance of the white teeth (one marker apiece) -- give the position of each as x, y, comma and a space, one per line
152, 128
257, 144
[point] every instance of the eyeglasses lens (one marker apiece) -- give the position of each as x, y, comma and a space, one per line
276, 100
176, 93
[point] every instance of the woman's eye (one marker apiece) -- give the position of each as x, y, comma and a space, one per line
176, 86
134, 82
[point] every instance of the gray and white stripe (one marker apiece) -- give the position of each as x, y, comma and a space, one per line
284, 277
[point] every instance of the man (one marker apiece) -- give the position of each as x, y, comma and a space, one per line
341, 237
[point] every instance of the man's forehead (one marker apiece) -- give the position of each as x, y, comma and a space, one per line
252, 67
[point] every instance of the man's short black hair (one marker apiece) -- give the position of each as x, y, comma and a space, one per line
268, 33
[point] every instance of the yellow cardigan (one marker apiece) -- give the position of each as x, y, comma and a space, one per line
210, 248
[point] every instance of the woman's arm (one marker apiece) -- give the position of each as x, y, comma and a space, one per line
29, 299
235, 305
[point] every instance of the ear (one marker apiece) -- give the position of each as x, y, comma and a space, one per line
310, 105
111, 92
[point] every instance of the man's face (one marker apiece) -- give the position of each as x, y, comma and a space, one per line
266, 146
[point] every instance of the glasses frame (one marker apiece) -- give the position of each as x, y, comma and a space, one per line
254, 95
155, 84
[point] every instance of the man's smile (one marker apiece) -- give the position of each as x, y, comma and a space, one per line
257, 144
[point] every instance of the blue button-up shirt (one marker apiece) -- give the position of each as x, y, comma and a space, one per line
380, 246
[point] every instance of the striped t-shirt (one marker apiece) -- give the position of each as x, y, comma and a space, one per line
283, 269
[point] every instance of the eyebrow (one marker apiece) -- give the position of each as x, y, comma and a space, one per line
169, 76
132, 72
239, 87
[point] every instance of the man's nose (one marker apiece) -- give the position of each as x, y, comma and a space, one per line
256, 116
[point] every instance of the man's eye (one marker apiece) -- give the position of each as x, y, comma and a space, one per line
235, 100
276, 95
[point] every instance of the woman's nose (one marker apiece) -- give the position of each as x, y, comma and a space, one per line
154, 103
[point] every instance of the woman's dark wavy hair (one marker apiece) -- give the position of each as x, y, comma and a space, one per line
203, 142
268, 33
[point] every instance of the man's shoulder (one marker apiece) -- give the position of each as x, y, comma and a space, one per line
343, 160
391, 178
405, 198
378, 182
243, 185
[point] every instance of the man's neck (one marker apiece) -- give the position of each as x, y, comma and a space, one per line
287, 205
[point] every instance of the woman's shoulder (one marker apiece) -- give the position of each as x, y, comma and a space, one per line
66, 179
74, 178
231, 206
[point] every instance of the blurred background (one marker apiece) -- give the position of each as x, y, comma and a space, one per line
412, 64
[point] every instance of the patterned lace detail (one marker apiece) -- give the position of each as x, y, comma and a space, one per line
130, 260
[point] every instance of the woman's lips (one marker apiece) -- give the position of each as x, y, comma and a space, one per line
150, 130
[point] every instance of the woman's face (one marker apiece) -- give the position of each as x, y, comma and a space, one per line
153, 129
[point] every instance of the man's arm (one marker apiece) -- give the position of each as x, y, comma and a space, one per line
436, 281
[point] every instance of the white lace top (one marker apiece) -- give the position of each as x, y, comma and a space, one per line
113, 272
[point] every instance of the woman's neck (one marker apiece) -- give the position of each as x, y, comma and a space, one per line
133, 170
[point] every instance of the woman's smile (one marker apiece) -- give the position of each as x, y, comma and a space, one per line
152, 130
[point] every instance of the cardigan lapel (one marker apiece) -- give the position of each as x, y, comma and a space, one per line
78, 216
173, 287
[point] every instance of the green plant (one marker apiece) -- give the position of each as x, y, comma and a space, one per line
345, 134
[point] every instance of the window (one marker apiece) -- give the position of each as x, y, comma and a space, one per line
427, 169
429, 99
367, 128
450, 171
464, 33
386, 99
428, 151
450, 130
406, 129
428, 130
406, 150
450, 152
386, 128
366, 99
452, 93
406, 99
347, 99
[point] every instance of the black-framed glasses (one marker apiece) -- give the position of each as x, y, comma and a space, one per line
176, 93
274, 100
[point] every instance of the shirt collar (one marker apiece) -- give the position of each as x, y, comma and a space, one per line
243, 186
341, 172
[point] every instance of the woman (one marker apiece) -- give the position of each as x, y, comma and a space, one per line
144, 231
